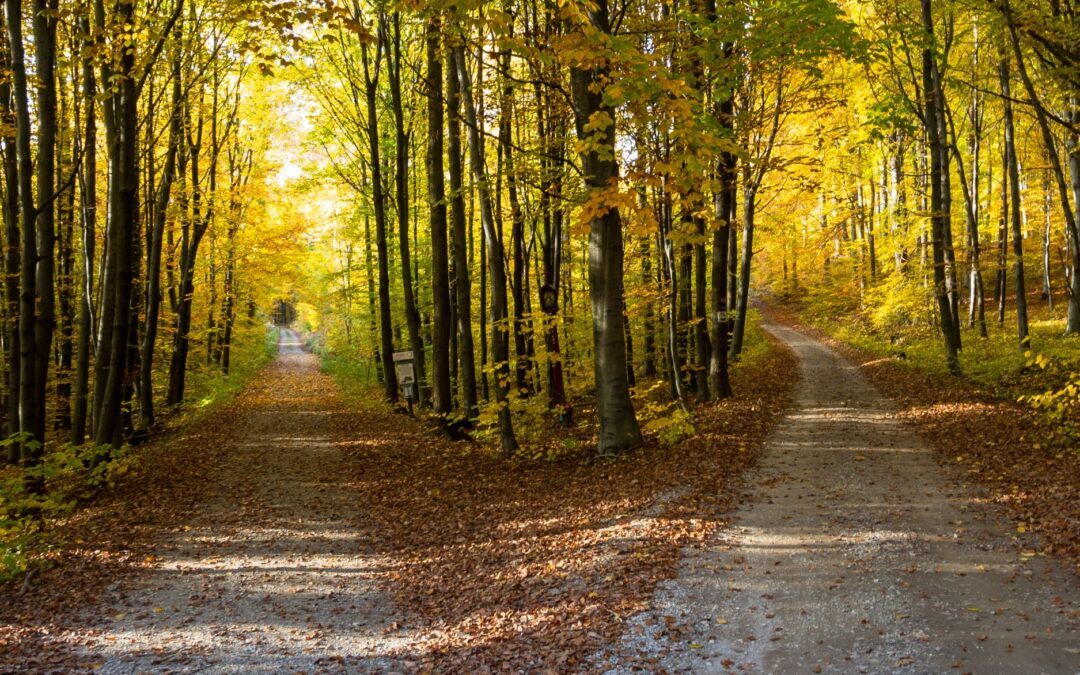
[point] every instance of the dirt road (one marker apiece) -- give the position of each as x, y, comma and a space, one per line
858, 554
275, 573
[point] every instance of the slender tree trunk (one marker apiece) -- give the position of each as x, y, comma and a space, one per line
701, 327
440, 273
733, 257
378, 198
462, 281
496, 260
153, 268
942, 151
937, 222
1012, 167
648, 368
193, 232
401, 138
66, 259
373, 310
1048, 201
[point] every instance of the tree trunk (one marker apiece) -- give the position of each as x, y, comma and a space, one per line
618, 426
378, 198
440, 273
12, 240
937, 222
462, 281
723, 204
495, 258
123, 226
1013, 169
1072, 227
153, 267
749, 208
401, 156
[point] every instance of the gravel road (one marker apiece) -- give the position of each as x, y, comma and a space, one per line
857, 553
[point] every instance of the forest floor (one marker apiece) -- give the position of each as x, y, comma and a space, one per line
303, 529
297, 530
859, 552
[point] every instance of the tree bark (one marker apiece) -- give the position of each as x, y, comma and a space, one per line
1013, 169
12, 242
401, 156
723, 204
153, 267
937, 222
378, 198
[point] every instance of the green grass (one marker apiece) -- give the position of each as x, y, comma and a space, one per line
357, 378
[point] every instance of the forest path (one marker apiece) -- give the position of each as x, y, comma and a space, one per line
275, 572
858, 554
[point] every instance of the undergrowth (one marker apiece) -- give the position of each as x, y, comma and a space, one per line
890, 328
1044, 376
539, 434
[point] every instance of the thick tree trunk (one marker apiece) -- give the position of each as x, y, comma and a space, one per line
123, 227
37, 301
723, 204
12, 240
618, 425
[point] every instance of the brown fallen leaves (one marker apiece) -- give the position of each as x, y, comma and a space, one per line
1003, 447
529, 566
533, 566
107, 541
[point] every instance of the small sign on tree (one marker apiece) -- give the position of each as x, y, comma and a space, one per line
406, 375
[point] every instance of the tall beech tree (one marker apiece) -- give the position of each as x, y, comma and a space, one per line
595, 122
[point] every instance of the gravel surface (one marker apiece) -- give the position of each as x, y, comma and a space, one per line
857, 553
276, 571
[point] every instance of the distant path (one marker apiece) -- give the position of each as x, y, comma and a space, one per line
856, 555
275, 572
